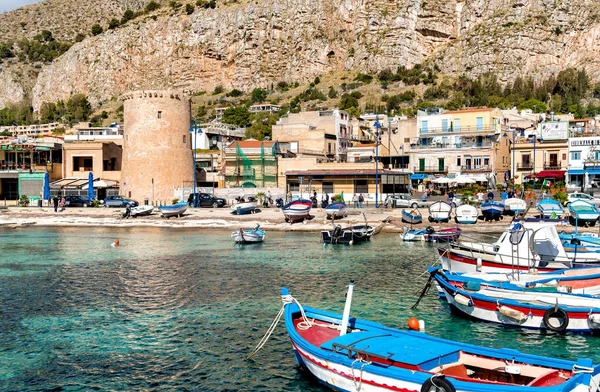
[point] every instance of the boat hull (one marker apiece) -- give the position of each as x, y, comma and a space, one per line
297, 210
439, 212
244, 208
514, 206
413, 217
347, 235
548, 207
141, 211
466, 214
492, 210
248, 236
336, 211
174, 210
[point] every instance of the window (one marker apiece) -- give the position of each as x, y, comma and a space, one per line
329, 148
564, 157
424, 126
159, 114
183, 139
596, 155
477, 161
458, 161
486, 161
457, 125
444, 125
575, 155
361, 186
479, 123
294, 187
328, 187
406, 140
526, 160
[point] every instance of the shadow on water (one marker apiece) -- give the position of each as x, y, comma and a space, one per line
181, 309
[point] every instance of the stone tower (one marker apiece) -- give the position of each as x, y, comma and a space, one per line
157, 152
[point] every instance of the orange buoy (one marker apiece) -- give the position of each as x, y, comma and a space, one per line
116, 243
413, 324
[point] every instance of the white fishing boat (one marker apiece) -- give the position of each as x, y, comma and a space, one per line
439, 211
337, 210
514, 206
249, 236
141, 210
248, 207
173, 210
466, 213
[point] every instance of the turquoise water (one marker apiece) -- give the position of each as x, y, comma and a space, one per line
181, 309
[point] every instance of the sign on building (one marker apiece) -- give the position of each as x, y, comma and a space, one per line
554, 130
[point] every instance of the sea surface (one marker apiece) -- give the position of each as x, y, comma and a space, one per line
180, 309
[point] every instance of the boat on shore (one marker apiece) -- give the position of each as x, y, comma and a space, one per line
466, 213
413, 216
297, 210
439, 211
549, 207
347, 235
337, 210
141, 211
248, 236
582, 213
429, 234
515, 305
243, 208
173, 210
352, 354
492, 210
514, 206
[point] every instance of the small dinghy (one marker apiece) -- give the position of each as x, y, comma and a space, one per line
466, 213
297, 210
413, 217
243, 208
514, 206
439, 212
548, 207
348, 235
347, 353
141, 211
492, 210
248, 236
336, 210
429, 234
173, 210
583, 213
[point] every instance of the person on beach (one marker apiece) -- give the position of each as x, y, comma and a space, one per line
190, 199
55, 201
450, 197
480, 197
361, 198
63, 203
355, 200
490, 195
289, 196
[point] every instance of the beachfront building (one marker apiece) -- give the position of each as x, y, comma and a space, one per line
323, 134
33, 130
541, 153
250, 164
584, 162
24, 160
465, 141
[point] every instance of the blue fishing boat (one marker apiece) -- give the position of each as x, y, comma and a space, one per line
351, 354
413, 216
587, 240
173, 210
297, 210
549, 207
583, 213
337, 210
242, 208
248, 236
492, 210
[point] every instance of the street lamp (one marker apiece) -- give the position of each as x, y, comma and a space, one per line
194, 128
377, 127
402, 157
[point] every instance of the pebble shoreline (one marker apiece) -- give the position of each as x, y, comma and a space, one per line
384, 220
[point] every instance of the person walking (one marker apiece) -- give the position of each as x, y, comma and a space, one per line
490, 195
450, 197
361, 198
55, 201
355, 200
480, 197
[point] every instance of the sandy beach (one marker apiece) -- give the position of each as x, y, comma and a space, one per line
385, 220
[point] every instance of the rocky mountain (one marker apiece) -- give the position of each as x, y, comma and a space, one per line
246, 45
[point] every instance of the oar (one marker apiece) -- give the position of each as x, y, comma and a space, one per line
424, 290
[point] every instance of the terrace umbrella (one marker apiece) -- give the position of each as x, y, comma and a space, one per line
91, 186
464, 180
47, 186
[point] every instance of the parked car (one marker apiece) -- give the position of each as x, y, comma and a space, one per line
77, 201
582, 196
119, 201
209, 200
407, 201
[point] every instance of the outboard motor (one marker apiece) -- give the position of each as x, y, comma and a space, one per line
279, 202
324, 203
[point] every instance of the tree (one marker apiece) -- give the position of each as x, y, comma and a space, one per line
97, 29
152, 6
262, 124
79, 37
113, 24
238, 115
348, 101
189, 9
332, 92
127, 16
534, 105
259, 95
235, 93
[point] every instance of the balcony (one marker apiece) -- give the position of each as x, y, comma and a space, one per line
452, 146
473, 129
525, 166
475, 168
552, 165
430, 169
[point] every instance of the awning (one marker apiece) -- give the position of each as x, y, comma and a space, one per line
583, 171
556, 174
417, 176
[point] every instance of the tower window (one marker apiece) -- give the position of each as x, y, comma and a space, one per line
159, 114
183, 139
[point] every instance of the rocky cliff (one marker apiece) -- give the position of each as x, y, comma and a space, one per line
256, 44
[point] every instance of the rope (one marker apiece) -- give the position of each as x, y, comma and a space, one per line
303, 325
362, 366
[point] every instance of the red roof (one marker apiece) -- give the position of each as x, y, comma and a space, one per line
556, 174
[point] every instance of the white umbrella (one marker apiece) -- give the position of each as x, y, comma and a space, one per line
464, 180
443, 180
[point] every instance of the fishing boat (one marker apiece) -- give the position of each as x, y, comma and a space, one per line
524, 246
248, 207
514, 206
514, 305
336, 210
588, 240
492, 210
352, 354
439, 211
583, 213
347, 235
297, 210
248, 236
549, 207
466, 213
141, 211
429, 234
413, 216
173, 210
